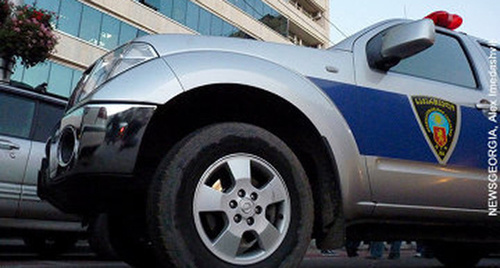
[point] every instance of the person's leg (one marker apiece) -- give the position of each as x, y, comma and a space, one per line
395, 250
352, 248
376, 249
420, 249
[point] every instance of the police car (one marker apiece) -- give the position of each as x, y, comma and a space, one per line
213, 152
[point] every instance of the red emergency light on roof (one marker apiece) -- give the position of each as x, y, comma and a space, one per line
445, 19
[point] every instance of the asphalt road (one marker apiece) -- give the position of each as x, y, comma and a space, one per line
14, 254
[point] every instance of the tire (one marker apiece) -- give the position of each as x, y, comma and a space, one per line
459, 255
50, 245
128, 239
250, 223
99, 238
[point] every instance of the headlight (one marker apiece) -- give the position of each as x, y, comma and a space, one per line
109, 66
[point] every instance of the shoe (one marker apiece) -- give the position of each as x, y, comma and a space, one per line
393, 256
418, 255
374, 257
352, 255
328, 252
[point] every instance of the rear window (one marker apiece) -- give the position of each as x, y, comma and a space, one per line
493, 54
46, 119
16, 115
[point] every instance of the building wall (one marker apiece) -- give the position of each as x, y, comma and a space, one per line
87, 29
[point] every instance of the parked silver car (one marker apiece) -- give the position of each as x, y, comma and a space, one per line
214, 152
27, 117
26, 121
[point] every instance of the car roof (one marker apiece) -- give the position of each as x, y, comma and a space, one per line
32, 94
348, 43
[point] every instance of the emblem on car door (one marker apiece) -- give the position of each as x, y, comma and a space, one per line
439, 121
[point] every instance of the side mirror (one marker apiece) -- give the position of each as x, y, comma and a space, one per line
387, 48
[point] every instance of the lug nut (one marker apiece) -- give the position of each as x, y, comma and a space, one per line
254, 196
233, 204
237, 218
258, 209
250, 221
241, 193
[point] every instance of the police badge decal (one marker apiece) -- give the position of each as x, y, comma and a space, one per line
439, 120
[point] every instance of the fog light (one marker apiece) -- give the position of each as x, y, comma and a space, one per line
66, 148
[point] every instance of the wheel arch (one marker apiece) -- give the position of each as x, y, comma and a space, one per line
220, 103
217, 88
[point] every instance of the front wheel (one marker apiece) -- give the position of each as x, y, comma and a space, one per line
230, 195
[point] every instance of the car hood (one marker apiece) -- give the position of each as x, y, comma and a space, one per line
306, 61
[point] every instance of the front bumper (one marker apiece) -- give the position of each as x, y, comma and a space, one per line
90, 159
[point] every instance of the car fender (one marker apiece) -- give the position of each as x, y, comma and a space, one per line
162, 79
197, 69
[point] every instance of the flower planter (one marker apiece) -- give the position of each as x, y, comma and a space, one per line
26, 36
6, 66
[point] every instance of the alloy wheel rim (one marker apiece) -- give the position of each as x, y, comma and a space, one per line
241, 209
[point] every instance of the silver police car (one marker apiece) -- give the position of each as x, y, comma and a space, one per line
213, 152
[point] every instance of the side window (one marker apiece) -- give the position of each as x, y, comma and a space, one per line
493, 54
47, 117
445, 61
16, 115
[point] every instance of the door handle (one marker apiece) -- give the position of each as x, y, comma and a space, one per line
483, 105
7, 145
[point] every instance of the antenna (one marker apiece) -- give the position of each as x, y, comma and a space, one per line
404, 10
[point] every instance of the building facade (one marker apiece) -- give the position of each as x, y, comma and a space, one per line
87, 29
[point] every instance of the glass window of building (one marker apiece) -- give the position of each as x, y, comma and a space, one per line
141, 33
110, 30
154, 4
127, 33
76, 77
228, 29
259, 8
60, 79
37, 74
264, 13
204, 24
166, 7
250, 8
240, 4
70, 16
179, 11
18, 72
216, 26
193, 14
91, 20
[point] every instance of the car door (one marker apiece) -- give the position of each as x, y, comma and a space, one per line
424, 140
46, 118
16, 117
